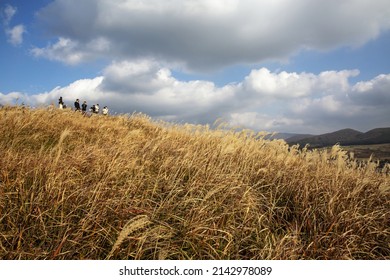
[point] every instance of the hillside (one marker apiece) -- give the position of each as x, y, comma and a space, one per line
297, 137
285, 136
278, 135
128, 187
344, 137
375, 136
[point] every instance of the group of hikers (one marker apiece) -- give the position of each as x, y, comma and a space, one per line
83, 108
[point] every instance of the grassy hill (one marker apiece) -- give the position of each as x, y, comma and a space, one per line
124, 187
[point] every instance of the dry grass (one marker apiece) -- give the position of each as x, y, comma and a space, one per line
130, 188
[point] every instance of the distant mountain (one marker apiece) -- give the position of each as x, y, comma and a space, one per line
344, 137
375, 136
298, 137
280, 135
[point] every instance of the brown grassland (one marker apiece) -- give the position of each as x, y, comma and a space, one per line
129, 187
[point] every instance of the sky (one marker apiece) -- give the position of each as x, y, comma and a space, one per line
297, 66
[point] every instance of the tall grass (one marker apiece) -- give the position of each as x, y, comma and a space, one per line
124, 187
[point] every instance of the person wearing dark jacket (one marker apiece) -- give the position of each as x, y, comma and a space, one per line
77, 105
84, 107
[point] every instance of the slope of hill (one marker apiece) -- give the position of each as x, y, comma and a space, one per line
375, 136
345, 137
121, 187
297, 137
279, 135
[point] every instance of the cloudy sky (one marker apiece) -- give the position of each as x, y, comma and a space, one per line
298, 66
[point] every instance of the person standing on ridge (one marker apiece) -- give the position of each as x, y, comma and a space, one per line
60, 103
84, 107
105, 111
77, 105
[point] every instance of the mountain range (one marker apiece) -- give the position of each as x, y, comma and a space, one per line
344, 137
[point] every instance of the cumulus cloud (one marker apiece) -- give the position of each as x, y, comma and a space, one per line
145, 85
281, 85
142, 76
70, 52
15, 33
264, 100
373, 93
12, 98
205, 35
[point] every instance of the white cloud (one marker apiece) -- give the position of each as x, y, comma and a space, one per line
72, 52
8, 13
264, 100
199, 34
335, 81
279, 85
12, 98
83, 89
145, 76
256, 121
145, 85
15, 34
373, 93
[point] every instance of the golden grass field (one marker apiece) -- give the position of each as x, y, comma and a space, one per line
129, 187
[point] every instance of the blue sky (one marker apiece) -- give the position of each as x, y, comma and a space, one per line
291, 66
